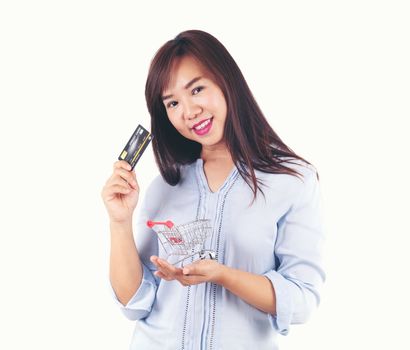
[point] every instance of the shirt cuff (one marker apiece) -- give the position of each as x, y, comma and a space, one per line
140, 304
284, 309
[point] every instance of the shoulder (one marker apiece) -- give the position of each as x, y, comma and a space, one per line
290, 185
304, 170
307, 171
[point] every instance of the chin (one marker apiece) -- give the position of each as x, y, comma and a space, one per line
211, 143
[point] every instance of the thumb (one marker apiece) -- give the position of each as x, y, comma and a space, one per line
193, 269
187, 270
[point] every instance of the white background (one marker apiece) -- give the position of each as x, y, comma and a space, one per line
331, 77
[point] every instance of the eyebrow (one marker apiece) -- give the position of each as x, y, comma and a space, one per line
187, 86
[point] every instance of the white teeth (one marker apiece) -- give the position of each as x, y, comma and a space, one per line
201, 126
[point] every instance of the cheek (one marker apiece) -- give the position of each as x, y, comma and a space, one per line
218, 104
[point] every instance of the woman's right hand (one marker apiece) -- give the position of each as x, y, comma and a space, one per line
120, 193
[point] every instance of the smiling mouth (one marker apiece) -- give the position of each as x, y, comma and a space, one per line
203, 127
202, 124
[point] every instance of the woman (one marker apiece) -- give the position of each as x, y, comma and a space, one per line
220, 160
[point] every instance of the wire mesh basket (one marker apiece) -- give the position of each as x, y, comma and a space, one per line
184, 241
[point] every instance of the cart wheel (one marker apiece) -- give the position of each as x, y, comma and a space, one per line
211, 255
207, 255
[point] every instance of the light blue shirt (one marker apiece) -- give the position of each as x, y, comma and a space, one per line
279, 236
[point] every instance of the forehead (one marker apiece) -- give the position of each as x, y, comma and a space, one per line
182, 71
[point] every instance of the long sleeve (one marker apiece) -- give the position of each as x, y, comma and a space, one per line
299, 273
140, 304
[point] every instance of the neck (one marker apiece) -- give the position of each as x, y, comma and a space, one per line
216, 153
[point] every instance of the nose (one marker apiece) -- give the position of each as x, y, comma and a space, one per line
191, 109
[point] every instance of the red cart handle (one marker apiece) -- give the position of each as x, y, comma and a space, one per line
168, 223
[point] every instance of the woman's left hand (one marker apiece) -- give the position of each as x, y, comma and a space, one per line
200, 271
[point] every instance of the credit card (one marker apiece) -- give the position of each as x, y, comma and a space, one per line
136, 146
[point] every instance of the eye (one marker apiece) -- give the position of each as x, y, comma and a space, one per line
197, 90
171, 104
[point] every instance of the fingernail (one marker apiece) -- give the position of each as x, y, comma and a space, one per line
185, 271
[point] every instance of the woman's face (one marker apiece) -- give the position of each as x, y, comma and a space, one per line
195, 105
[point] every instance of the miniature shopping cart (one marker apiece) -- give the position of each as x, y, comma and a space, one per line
184, 241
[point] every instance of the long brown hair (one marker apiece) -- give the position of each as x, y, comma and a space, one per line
252, 142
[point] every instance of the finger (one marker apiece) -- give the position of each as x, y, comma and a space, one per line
117, 189
163, 271
165, 265
126, 176
191, 280
162, 275
169, 269
154, 260
193, 269
117, 177
124, 180
166, 274
121, 164
161, 268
